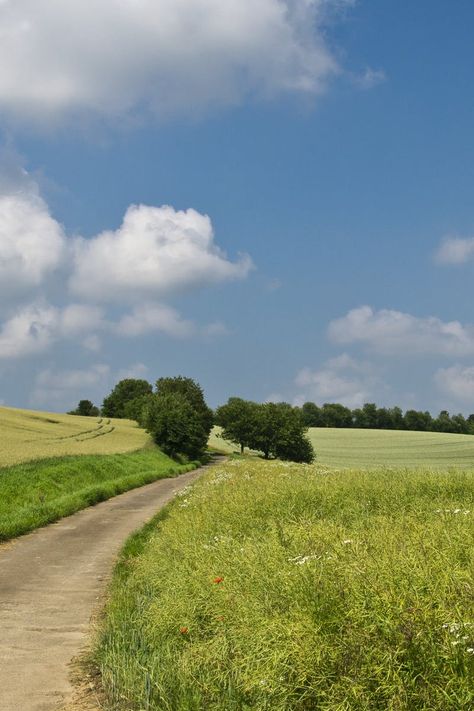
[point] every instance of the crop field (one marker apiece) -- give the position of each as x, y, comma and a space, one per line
373, 448
27, 435
271, 586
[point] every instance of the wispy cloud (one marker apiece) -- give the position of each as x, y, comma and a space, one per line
455, 250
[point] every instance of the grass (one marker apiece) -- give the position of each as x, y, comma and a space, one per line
374, 448
278, 587
34, 494
27, 435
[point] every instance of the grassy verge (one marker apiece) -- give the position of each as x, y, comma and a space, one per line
36, 493
270, 586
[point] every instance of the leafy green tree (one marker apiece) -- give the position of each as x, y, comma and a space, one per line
279, 432
312, 415
336, 415
124, 392
396, 416
86, 408
176, 426
443, 422
238, 421
418, 421
470, 424
136, 409
193, 394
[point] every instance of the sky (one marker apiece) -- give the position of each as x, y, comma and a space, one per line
274, 198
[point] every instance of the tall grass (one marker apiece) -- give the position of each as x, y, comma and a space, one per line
36, 493
270, 586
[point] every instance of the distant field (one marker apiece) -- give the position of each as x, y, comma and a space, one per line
365, 448
27, 435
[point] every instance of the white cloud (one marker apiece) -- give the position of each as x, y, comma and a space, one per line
59, 386
77, 319
35, 328
30, 331
73, 379
457, 381
31, 241
396, 333
157, 251
59, 59
147, 318
341, 379
455, 250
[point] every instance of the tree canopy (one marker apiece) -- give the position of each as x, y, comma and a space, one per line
123, 393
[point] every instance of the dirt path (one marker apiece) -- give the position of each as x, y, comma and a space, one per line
50, 582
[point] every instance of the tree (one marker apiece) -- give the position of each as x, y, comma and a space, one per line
86, 408
443, 422
335, 415
238, 421
136, 409
312, 415
279, 432
418, 421
176, 426
193, 394
124, 392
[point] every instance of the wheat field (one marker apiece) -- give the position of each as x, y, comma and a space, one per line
27, 435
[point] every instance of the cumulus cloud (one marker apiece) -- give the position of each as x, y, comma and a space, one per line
455, 250
148, 318
28, 332
341, 379
396, 333
32, 242
456, 381
35, 328
61, 58
157, 251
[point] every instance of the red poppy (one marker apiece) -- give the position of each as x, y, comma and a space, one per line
218, 580
184, 630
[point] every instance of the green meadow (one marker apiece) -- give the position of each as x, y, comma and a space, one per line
354, 448
272, 586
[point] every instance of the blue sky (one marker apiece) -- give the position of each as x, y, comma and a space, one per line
329, 143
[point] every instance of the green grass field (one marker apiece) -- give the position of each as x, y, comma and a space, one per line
278, 587
36, 493
53, 465
27, 435
374, 448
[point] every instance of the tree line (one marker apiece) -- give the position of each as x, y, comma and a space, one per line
175, 413
382, 418
179, 420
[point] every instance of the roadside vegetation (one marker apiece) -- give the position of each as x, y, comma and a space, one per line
34, 494
276, 586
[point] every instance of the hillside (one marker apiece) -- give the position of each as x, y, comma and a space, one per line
27, 435
366, 448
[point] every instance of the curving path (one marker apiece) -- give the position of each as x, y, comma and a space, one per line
50, 583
